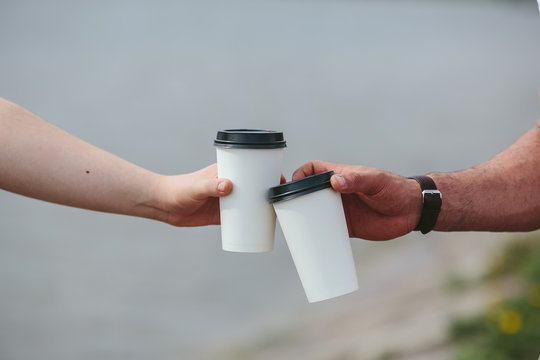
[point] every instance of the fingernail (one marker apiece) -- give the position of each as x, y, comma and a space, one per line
341, 181
221, 186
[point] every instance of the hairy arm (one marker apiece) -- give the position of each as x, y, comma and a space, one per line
502, 194
42, 161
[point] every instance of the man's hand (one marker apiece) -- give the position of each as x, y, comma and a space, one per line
379, 205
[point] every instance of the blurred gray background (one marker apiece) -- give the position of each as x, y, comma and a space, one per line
407, 86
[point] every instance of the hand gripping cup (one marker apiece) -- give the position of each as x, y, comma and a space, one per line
252, 160
311, 216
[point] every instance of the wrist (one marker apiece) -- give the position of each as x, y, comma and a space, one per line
441, 179
153, 201
415, 203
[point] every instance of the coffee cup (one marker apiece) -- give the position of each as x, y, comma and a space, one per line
252, 160
313, 221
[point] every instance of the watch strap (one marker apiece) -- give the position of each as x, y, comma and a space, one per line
431, 203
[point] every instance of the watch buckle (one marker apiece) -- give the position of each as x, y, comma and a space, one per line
424, 192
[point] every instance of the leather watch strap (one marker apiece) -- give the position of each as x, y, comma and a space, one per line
431, 203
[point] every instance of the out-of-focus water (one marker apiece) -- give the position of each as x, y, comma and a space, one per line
407, 86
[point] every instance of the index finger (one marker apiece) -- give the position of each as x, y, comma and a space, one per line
312, 168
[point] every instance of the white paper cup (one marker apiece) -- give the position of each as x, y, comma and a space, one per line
252, 160
311, 216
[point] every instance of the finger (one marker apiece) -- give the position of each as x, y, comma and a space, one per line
367, 182
312, 168
211, 188
282, 180
224, 187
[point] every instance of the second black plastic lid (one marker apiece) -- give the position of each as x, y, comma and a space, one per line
250, 139
300, 187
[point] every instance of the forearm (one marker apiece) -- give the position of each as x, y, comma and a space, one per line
502, 194
42, 161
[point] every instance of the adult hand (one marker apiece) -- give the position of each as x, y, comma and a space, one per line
379, 205
192, 199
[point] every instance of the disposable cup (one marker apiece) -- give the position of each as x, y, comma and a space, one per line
311, 216
252, 160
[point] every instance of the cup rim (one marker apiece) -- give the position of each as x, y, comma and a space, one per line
250, 139
296, 188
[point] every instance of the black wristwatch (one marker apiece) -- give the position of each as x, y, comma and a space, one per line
431, 204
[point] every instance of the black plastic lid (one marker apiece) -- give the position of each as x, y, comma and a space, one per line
300, 187
250, 139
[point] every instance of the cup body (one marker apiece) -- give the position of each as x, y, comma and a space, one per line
248, 221
316, 232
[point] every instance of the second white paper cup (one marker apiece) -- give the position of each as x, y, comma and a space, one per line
252, 160
313, 221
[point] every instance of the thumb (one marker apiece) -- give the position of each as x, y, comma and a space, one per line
211, 188
366, 182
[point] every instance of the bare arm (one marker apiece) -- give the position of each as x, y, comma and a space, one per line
42, 161
502, 194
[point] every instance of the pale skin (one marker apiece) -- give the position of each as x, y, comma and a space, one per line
44, 162
502, 194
